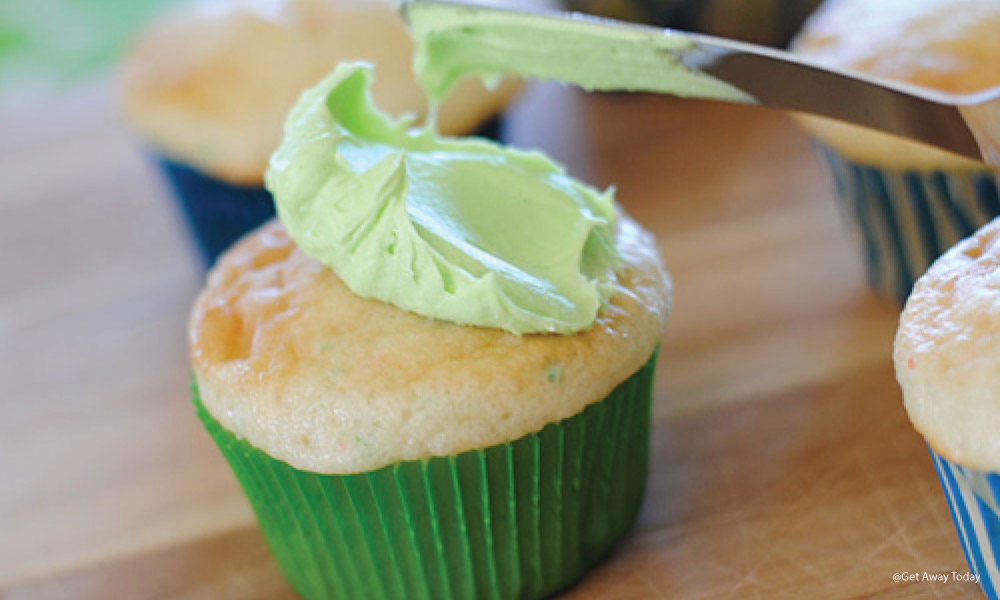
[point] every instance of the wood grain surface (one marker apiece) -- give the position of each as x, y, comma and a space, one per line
783, 464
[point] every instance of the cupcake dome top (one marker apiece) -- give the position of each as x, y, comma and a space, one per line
287, 357
947, 45
210, 85
947, 352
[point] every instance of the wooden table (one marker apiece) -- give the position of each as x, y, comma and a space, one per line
783, 464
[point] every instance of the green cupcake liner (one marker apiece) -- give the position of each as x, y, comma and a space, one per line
523, 519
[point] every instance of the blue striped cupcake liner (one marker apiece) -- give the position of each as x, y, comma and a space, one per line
974, 499
217, 213
906, 219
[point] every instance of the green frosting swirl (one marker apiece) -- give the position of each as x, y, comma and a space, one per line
459, 229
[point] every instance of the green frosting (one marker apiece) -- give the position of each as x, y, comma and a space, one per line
459, 229
456, 40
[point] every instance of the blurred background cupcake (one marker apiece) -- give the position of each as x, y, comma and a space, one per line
771, 22
947, 357
905, 202
207, 87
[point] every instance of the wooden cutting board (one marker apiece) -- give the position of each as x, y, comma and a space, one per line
783, 464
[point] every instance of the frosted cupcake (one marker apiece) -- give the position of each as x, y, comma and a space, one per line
906, 202
209, 85
947, 359
433, 378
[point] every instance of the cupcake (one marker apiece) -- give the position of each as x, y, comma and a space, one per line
947, 357
905, 202
208, 87
433, 376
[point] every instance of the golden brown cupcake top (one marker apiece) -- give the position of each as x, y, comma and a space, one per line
210, 85
287, 357
947, 45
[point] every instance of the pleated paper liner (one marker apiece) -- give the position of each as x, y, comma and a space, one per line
906, 219
974, 499
217, 213
523, 519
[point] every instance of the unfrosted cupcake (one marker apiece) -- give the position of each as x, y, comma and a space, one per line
947, 359
433, 378
906, 202
208, 87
